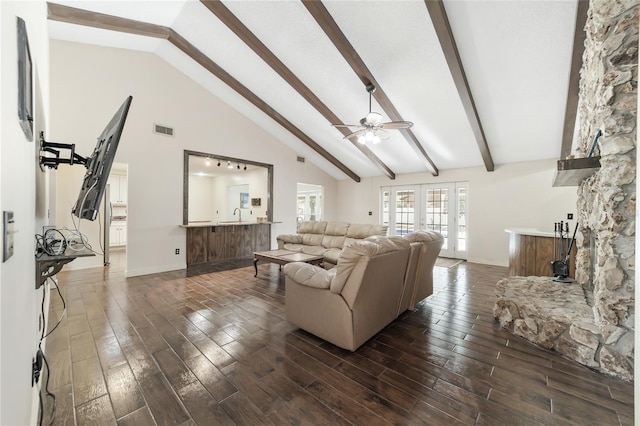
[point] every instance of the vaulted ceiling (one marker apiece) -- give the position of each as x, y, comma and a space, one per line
484, 82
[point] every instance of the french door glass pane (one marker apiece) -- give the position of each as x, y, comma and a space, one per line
437, 212
405, 204
462, 219
385, 207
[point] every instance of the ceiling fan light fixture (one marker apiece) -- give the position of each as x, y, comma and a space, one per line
373, 119
362, 140
369, 135
375, 139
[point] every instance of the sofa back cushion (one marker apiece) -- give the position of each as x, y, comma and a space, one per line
354, 259
312, 232
331, 241
361, 231
336, 228
312, 239
312, 227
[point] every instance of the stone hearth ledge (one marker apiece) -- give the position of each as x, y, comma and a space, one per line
550, 314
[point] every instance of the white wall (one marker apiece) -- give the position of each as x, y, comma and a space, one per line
88, 84
516, 195
201, 198
23, 191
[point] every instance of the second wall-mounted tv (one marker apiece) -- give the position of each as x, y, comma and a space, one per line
99, 165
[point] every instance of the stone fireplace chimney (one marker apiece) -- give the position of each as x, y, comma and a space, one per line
592, 321
605, 264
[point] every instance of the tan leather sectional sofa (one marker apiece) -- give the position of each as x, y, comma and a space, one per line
374, 281
327, 238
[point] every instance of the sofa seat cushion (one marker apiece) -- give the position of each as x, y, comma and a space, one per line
314, 250
294, 247
331, 255
309, 275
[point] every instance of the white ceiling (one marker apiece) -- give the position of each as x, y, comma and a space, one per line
516, 55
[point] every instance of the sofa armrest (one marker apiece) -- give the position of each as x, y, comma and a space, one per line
288, 239
309, 275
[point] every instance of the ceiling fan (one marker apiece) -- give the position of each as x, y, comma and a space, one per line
371, 128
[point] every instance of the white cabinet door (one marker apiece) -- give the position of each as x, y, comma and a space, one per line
123, 235
118, 234
114, 239
118, 189
123, 190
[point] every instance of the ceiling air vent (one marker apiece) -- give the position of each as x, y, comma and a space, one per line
300, 159
162, 130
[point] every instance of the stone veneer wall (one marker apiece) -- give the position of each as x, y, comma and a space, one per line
592, 321
605, 264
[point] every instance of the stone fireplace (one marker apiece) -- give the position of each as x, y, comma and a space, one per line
592, 320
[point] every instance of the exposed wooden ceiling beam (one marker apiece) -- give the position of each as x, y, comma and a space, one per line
340, 41
234, 24
448, 44
72, 15
573, 94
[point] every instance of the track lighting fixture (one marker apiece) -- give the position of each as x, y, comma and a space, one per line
238, 166
218, 163
245, 167
229, 166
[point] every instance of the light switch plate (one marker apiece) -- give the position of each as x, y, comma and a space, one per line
7, 235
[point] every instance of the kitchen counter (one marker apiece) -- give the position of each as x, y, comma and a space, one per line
214, 241
529, 231
225, 223
531, 253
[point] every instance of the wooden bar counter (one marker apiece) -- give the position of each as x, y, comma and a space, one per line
531, 253
209, 242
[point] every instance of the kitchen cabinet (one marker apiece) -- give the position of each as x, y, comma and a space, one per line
118, 189
117, 234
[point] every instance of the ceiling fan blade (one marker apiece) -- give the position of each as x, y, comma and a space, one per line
345, 125
355, 134
396, 125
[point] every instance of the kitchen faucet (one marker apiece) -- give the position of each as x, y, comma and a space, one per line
239, 214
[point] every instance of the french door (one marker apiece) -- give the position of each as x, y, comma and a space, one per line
439, 207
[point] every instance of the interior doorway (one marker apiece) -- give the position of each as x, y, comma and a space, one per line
441, 207
116, 215
310, 204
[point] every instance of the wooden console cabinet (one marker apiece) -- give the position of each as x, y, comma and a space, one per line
531, 253
228, 241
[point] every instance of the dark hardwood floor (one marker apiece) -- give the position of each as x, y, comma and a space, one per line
215, 348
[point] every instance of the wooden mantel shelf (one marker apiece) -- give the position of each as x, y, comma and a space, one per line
573, 171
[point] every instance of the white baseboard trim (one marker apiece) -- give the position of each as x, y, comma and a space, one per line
154, 270
489, 262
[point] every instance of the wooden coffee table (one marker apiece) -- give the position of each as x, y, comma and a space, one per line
282, 257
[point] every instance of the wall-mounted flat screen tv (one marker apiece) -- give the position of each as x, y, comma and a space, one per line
99, 166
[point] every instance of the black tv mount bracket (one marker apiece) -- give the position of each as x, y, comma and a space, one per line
54, 148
